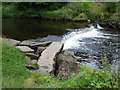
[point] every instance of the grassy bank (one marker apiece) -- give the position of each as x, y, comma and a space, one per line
13, 67
74, 11
15, 74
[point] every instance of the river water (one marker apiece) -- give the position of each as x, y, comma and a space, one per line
85, 40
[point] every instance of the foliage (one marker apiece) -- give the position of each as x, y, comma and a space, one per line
110, 7
86, 78
13, 67
15, 74
36, 65
62, 10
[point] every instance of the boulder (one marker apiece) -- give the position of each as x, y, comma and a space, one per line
12, 41
70, 53
32, 55
40, 50
41, 44
25, 49
26, 43
66, 65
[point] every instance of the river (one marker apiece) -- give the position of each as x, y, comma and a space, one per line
84, 39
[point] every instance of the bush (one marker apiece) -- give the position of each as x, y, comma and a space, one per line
36, 65
110, 7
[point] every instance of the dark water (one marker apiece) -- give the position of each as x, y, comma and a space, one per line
86, 41
29, 28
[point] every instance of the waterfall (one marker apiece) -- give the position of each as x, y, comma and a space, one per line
72, 40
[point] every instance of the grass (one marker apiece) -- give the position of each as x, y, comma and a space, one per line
13, 67
15, 74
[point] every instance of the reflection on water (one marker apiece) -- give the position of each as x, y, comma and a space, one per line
29, 28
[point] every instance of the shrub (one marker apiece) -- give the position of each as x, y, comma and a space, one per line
110, 7
36, 65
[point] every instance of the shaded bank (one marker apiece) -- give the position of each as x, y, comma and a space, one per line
73, 11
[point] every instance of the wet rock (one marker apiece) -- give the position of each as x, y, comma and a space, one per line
12, 41
26, 43
41, 44
70, 53
67, 65
25, 49
40, 50
89, 21
32, 55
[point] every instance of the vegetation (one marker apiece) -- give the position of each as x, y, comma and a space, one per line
36, 65
63, 11
13, 67
86, 78
13, 60
16, 75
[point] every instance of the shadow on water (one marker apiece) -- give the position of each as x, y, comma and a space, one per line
30, 28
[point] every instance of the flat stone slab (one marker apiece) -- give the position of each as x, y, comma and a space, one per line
26, 43
47, 56
25, 49
12, 41
41, 44
32, 55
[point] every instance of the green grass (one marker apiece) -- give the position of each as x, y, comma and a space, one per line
13, 67
15, 74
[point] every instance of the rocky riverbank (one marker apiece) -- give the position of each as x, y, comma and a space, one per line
62, 64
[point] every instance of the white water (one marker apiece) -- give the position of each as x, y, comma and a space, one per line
75, 40
71, 40
99, 27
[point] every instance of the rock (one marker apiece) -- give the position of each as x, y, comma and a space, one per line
48, 55
25, 49
32, 55
30, 67
88, 20
28, 59
33, 61
78, 58
12, 41
41, 44
40, 50
70, 53
26, 43
66, 65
